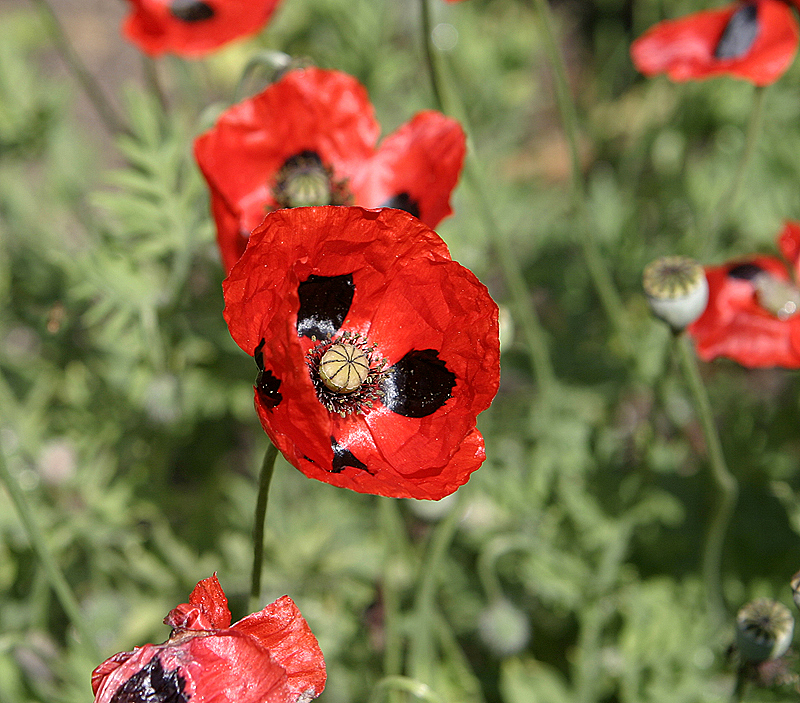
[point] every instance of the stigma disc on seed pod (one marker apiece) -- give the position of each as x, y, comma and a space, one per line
677, 290
764, 629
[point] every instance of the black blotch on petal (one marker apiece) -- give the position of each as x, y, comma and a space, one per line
419, 384
258, 354
151, 684
191, 10
746, 272
739, 34
343, 458
324, 304
403, 201
267, 385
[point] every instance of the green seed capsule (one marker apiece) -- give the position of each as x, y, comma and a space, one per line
343, 368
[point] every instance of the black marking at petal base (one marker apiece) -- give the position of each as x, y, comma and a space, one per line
324, 304
739, 34
258, 354
342, 458
267, 385
191, 10
151, 684
746, 271
403, 201
420, 383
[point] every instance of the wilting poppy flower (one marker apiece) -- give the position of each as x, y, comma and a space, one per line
752, 309
755, 41
193, 28
376, 350
268, 657
309, 139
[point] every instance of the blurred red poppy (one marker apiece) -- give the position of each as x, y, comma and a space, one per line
193, 28
268, 657
309, 139
755, 41
376, 350
752, 309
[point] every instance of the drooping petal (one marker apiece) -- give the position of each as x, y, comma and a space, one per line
282, 630
722, 42
193, 28
415, 168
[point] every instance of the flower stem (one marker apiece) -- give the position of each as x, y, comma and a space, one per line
430, 56
603, 283
264, 480
741, 684
716, 216
393, 529
53, 573
726, 484
108, 115
522, 306
421, 654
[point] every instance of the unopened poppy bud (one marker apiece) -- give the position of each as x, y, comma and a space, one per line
677, 290
504, 628
764, 629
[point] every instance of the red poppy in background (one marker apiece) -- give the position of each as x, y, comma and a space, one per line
309, 139
376, 350
755, 41
752, 313
268, 657
193, 28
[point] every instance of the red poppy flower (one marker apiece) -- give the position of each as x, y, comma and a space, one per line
755, 41
268, 657
193, 28
309, 139
376, 350
751, 315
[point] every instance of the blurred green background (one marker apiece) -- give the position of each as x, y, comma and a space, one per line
126, 409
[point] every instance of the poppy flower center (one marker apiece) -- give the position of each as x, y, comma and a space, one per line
304, 181
347, 373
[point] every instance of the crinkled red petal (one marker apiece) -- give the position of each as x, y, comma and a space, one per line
684, 48
207, 608
422, 159
282, 630
408, 295
115, 671
156, 31
735, 326
789, 246
327, 112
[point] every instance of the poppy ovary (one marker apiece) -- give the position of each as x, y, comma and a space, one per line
677, 290
347, 373
781, 298
343, 368
304, 181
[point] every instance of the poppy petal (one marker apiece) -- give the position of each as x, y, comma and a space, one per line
282, 630
688, 48
207, 608
417, 167
192, 28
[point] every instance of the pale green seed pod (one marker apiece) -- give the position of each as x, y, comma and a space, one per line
764, 629
504, 628
677, 290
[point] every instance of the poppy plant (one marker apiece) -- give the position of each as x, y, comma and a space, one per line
754, 41
376, 351
751, 316
268, 657
310, 139
193, 28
